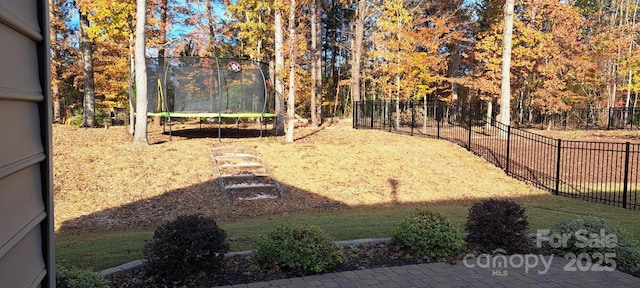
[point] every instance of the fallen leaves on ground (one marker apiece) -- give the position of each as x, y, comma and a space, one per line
103, 182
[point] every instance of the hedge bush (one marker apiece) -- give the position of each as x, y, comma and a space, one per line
425, 233
590, 235
74, 277
498, 224
299, 249
185, 249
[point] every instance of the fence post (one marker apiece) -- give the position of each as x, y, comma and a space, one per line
508, 148
626, 174
389, 113
383, 114
373, 105
438, 119
469, 139
355, 115
413, 116
385, 111
558, 157
609, 118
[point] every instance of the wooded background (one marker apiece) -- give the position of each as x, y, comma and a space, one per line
565, 54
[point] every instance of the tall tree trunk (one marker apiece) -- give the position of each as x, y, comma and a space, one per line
488, 117
212, 28
357, 51
397, 119
619, 18
614, 77
55, 78
334, 72
292, 72
279, 84
132, 76
453, 72
336, 98
610, 83
259, 44
162, 51
163, 6
630, 76
140, 134
521, 108
318, 59
314, 75
89, 99
398, 77
55, 95
505, 82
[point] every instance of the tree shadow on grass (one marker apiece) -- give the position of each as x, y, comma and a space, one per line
212, 131
202, 198
373, 220
207, 199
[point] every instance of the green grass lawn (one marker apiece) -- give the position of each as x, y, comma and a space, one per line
107, 249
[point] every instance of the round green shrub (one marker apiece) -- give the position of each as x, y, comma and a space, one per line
74, 277
498, 224
628, 258
299, 249
185, 249
572, 229
425, 233
589, 234
76, 120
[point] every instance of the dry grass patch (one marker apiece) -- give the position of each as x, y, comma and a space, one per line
102, 182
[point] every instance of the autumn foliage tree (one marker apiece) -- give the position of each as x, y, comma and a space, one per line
86, 52
566, 54
412, 49
64, 61
548, 51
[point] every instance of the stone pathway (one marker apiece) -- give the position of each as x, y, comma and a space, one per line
469, 275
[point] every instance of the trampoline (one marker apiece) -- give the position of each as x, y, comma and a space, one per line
208, 88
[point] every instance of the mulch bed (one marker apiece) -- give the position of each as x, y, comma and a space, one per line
241, 270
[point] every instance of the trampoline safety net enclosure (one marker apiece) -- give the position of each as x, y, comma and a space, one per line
207, 88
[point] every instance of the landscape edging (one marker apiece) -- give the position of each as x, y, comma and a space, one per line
126, 267
346, 243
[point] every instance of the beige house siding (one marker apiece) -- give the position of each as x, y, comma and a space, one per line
26, 205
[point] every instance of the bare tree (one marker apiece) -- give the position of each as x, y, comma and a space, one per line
292, 72
132, 76
316, 70
357, 51
279, 59
505, 88
89, 100
140, 133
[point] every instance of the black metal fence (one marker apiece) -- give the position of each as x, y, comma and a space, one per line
581, 118
596, 171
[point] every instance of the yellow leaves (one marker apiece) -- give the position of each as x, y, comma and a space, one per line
410, 47
344, 82
546, 51
394, 17
251, 18
110, 19
422, 90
